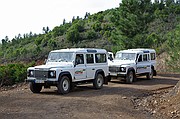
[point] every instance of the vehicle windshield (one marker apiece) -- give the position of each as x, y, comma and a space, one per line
125, 56
60, 57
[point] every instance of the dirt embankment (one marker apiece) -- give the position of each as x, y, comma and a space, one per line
165, 102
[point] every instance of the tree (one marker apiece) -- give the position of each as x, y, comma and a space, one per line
73, 35
46, 30
91, 34
64, 21
5, 41
86, 15
96, 26
73, 19
135, 16
19, 36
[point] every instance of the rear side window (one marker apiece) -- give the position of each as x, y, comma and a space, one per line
100, 58
153, 56
145, 57
89, 58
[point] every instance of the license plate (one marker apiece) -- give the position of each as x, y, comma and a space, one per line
39, 81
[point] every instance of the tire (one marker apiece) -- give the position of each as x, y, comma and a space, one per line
150, 75
64, 85
35, 88
98, 81
130, 77
109, 78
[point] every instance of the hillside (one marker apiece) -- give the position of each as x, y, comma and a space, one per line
143, 25
134, 24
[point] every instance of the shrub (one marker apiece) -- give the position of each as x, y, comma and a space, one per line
12, 73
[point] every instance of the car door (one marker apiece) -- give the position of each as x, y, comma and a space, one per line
90, 67
147, 63
143, 64
80, 67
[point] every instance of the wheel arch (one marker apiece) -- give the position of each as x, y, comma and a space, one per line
154, 71
134, 73
65, 74
131, 69
99, 71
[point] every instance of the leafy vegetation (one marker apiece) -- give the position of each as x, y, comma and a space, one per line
173, 44
134, 24
13, 73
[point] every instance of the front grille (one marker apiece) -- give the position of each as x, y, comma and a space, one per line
41, 74
114, 69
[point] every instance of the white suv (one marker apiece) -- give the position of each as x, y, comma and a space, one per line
133, 62
67, 67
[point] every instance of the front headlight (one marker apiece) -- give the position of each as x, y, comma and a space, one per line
52, 74
30, 73
123, 69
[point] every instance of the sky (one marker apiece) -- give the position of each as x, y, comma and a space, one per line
23, 16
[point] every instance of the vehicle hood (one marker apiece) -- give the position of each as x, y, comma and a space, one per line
51, 65
121, 62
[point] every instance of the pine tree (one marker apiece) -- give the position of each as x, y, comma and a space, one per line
135, 15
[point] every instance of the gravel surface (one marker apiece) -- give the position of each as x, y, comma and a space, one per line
114, 101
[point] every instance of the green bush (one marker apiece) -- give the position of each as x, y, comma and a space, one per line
13, 73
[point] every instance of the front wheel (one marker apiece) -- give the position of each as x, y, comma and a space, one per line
98, 81
130, 77
64, 85
35, 88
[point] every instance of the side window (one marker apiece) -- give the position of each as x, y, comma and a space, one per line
145, 57
89, 58
79, 59
140, 58
153, 56
100, 58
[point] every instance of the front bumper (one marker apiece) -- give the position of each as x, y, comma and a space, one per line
40, 80
117, 74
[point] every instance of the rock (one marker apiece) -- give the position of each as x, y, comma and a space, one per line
154, 112
155, 102
124, 97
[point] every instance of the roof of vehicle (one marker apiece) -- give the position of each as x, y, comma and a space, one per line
138, 50
83, 50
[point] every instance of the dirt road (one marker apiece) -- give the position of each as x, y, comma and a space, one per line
114, 101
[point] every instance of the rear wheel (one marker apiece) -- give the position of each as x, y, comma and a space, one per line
149, 76
64, 85
130, 77
98, 81
35, 88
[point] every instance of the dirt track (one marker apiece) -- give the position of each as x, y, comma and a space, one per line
114, 101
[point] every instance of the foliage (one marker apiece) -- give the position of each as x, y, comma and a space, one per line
13, 73
174, 49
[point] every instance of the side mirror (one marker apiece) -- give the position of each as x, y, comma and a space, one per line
75, 63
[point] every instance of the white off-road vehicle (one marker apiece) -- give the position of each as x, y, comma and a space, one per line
67, 67
133, 62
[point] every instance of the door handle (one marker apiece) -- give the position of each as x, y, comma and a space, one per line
93, 69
